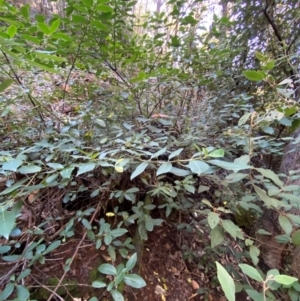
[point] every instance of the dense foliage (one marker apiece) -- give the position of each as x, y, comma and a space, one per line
145, 117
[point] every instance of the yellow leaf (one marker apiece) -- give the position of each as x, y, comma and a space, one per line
119, 168
110, 214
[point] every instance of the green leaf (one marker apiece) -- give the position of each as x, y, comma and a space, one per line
254, 75
51, 178
229, 165
32, 39
43, 27
213, 219
134, 280
118, 232
198, 167
269, 202
271, 175
180, 172
23, 274
88, 3
285, 280
13, 187
140, 168
9, 288
130, 264
107, 269
255, 295
105, 8
251, 272
85, 167
244, 118
216, 236
54, 26
175, 42
22, 293
108, 239
29, 169
285, 224
98, 284
99, 25
296, 238
254, 253
12, 165
226, 281
232, 228
149, 225
269, 65
86, 224
175, 153
7, 223
5, 84
41, 66
112, 252
4, 249
158, 153
67, 172
164, 168
55, 165
52, 247
235, 177
11, 31
25, 11
77, 19
217, 153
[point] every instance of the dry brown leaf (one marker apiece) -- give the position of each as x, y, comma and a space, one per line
32, 196
195, 285
159, 290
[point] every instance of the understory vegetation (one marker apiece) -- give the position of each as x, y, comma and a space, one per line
140, 144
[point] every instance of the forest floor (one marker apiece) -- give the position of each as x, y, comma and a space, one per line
177, 265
